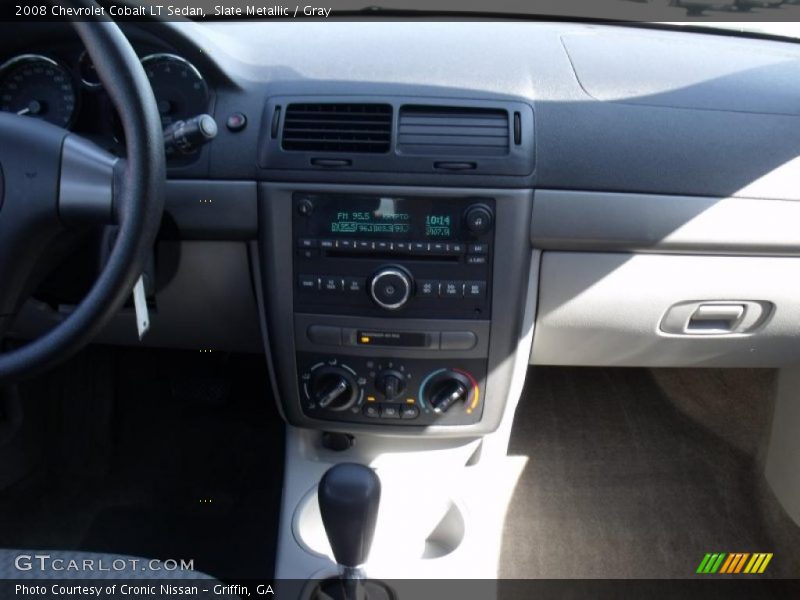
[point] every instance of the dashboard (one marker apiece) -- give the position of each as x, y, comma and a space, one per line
398, 228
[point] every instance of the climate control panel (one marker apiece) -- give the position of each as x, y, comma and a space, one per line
388, 391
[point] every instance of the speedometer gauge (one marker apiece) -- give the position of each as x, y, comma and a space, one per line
37, 86
179, 88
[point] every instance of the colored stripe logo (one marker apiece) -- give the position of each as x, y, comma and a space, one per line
734, 563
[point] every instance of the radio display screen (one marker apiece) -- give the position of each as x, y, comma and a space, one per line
340, 215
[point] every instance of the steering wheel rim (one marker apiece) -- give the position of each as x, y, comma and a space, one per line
138, 199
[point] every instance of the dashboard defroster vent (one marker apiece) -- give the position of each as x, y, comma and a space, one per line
453, 131
338, 127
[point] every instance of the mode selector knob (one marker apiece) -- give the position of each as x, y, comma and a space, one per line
333, 388
390, 383
390, 287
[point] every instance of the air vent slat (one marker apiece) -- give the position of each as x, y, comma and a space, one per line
339, 132
453, 131
334, 127
294, 120
498, 132
499, 121
455, 140
335, 124
316, 139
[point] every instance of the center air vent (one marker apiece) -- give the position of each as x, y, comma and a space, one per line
453, 131
338, 128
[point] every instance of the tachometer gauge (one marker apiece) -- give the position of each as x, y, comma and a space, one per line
179, 88
37, 86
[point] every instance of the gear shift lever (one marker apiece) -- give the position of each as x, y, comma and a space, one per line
349, 495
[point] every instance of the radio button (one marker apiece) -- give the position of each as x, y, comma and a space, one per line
307, 243
475, 289
364, 245
345, 244
305, 207
308, 253
308, 283
354, 284
438, 248
332, 284
327, 244
478, 248
419, 247
455, 248
476, 259
383, 246
402, 246
451, 289
427, 288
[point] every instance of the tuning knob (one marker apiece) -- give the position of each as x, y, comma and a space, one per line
446, 389
333, 388
478, 218
390, 287
390, 383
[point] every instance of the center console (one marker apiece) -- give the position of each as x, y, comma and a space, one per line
398, 284
401, 316
386, 259
393, 309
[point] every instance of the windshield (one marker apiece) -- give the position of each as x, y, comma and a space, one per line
787, 29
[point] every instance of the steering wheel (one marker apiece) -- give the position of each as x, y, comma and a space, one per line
52, 180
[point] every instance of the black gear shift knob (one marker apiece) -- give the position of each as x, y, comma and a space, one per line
349, 495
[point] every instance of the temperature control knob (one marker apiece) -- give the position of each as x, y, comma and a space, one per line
333, 388
448, 395
390, 287
446, 389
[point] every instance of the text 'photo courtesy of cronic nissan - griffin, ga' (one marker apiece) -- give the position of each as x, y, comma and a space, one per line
401, 300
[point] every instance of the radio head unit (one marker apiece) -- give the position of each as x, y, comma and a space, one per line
374, 255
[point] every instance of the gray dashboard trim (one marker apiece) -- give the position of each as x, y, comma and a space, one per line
589, 221
211, 210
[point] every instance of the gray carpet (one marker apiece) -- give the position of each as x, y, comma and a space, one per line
622, 484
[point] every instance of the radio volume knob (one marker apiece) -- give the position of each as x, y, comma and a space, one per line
390, 288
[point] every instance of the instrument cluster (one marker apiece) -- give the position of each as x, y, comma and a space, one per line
65, 90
